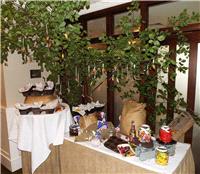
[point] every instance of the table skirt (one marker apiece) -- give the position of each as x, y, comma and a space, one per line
72, 158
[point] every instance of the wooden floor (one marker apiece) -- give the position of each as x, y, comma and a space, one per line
6, 171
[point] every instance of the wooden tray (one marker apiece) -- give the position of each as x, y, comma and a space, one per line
112, 143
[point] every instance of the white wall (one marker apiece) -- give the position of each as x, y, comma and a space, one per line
16, 75
13, 77
196, 130
5, 155
160, 13
197, 98
182, 78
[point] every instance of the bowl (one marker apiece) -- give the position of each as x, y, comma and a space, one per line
125, 150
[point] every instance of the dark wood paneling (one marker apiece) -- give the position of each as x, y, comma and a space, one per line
110, 97
192, 32
109, 25
192, 76
84, 25
171, 83
110, 82
85, 88
144, 14
193, 36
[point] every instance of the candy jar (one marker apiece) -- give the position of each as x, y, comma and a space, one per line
162, 155
144, 133
165, 134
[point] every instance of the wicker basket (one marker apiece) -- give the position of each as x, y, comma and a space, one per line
36, 111
48, 92
45, 99
48, 111
24, 111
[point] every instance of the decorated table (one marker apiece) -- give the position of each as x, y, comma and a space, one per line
50, 144
97, 147
38, 132
85, 157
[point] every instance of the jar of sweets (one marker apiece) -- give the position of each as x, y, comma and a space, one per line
144, 133
165, 134
162, 155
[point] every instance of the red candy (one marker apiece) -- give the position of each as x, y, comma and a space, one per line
165, 134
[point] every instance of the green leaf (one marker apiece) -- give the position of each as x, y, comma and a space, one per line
161, 38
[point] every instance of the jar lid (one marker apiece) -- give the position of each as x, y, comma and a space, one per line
165, 128
161, 149
74, 126
145, 126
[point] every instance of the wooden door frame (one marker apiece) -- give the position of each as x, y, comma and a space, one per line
192, 32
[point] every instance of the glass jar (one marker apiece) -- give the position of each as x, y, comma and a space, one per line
165, 134
162, 155
144, 133
73, 130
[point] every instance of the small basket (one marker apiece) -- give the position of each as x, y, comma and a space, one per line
26, 93
24, 111
90, 112
36, 93
99, 109
36, 111
75, 113
48, 111
48, 92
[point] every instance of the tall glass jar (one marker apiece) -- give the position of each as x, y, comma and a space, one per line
144, 133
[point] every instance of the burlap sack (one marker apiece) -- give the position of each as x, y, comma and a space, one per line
132, 111
88, 120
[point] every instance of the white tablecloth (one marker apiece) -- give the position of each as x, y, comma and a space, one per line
12, 123
174, 161
37, 132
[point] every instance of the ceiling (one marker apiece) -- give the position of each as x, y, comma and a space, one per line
96, 5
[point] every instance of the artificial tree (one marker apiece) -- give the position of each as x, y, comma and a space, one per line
49, 32
138, 55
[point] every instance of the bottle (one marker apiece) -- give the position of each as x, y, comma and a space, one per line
132, 133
